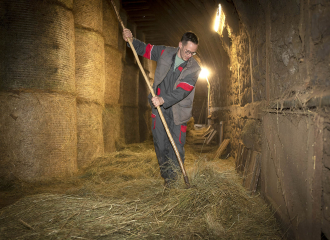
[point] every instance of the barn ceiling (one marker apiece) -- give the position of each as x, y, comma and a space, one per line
164, 22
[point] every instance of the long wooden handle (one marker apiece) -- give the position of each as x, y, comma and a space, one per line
185, 177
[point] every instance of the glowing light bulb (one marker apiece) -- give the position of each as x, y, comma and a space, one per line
204, 73
217, 19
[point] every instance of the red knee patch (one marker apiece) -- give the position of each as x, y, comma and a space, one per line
154, 116
183, 130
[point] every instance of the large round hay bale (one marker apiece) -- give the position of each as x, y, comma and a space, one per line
111, 127
90, 134
130, 85
131, 124
113, 72
110, 24
88, 14
38, 136
90, 66
37, 45
145, 123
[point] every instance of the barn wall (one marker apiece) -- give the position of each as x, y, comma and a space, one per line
275, 101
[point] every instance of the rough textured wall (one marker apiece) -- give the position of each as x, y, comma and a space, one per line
279, 61
37, 117
326, 181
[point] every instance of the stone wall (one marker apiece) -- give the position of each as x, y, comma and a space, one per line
279, 68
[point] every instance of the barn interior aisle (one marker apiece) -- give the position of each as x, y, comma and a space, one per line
84, 154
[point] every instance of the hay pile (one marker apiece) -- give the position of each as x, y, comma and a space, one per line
121, 196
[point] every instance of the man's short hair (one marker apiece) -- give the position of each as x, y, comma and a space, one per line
189, 36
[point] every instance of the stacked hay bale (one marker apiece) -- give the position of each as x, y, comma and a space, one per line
113, 71
130, 90
90, 75
130, 93
37, 90
144, 107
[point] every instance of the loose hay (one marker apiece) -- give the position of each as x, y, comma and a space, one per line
121, 196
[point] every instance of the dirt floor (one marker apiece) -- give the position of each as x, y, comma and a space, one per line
121, 196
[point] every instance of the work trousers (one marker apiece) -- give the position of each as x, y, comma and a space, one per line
168, 162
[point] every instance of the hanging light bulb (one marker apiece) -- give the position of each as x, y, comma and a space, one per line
217, 19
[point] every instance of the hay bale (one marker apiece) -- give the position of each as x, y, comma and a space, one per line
130, 83
90, 73
90, 135
131, 124
110, 24
113, 72
66, 3
88, 14
37, 46
145, 123
38, 136
112, 125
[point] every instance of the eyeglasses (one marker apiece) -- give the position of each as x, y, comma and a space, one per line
187, 52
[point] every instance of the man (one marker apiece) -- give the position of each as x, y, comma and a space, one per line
175, 78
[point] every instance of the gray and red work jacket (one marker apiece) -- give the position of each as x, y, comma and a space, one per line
175, 86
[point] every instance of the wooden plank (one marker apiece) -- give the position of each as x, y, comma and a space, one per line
238, 155
246, 161
246, 155
241, 163
256, 174
207, 132
211, 136
221, 149
221, 132
248, 171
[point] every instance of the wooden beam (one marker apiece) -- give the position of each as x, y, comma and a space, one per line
133, 9
134, 1
221, 149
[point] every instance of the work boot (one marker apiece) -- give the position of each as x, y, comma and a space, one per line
168, 183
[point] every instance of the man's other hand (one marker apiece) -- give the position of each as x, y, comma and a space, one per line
127, 34
157, 101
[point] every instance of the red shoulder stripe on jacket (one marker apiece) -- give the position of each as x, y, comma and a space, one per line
148, 51
185, 86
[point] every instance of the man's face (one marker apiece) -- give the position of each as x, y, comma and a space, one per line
187, 51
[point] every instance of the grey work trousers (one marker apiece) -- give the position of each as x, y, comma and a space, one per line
168, 163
